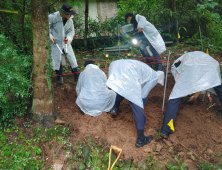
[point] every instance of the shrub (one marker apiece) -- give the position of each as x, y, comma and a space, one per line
14, 80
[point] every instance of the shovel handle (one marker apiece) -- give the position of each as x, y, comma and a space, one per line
116, 148
59, 48
110, 152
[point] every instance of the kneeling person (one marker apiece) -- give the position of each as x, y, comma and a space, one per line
94, 97
133, 80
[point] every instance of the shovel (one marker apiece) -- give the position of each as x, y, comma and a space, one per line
63, 53
110, 153
62, 56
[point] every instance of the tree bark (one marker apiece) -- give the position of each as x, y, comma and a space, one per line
42, 106
86, 24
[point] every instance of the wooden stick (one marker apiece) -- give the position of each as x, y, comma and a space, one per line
211, 106
90, 146
189, 150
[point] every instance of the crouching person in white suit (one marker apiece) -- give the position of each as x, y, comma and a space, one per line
94, 97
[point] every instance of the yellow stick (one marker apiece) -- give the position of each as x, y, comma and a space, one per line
4, 10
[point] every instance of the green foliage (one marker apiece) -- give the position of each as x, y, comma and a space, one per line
176, 167
15, 80
211, 28
150, 162
17, 26
20, 153
208, 166
96, 31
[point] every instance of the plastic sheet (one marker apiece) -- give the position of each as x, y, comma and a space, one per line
94, 97
196, 71
131, 79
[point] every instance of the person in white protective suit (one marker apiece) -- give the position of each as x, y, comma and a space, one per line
93, 96
61, 31
133, 80
193, 72
151, 43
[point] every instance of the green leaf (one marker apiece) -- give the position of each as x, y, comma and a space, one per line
8, 153
27, 154
38, 151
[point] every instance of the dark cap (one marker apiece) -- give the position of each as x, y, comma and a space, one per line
89, 62
128, 15
67, 9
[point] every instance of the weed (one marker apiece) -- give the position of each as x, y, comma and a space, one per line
208, 166
176, 167
218, 153
158, 135
19, 154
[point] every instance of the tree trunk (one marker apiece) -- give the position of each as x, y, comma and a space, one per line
86, 24
42, 106
173, 7
23, 23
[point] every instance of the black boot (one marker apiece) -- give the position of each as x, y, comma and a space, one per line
164, 134
114, 111
142, 140
159, 66
59, 77
76, 75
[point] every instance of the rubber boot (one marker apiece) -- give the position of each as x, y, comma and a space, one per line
159, 66
59, 77
142, 139
114, 111
164, 133
76, 75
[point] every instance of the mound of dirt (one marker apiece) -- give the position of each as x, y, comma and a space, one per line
196, 129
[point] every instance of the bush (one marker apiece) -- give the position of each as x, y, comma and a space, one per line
15, 80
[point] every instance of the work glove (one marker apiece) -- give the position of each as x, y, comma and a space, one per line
144, 101
52, 38
68, 40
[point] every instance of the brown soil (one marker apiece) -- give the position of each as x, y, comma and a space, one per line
196, 128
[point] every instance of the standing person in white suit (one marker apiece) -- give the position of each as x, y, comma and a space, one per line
61, 31
152, 43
